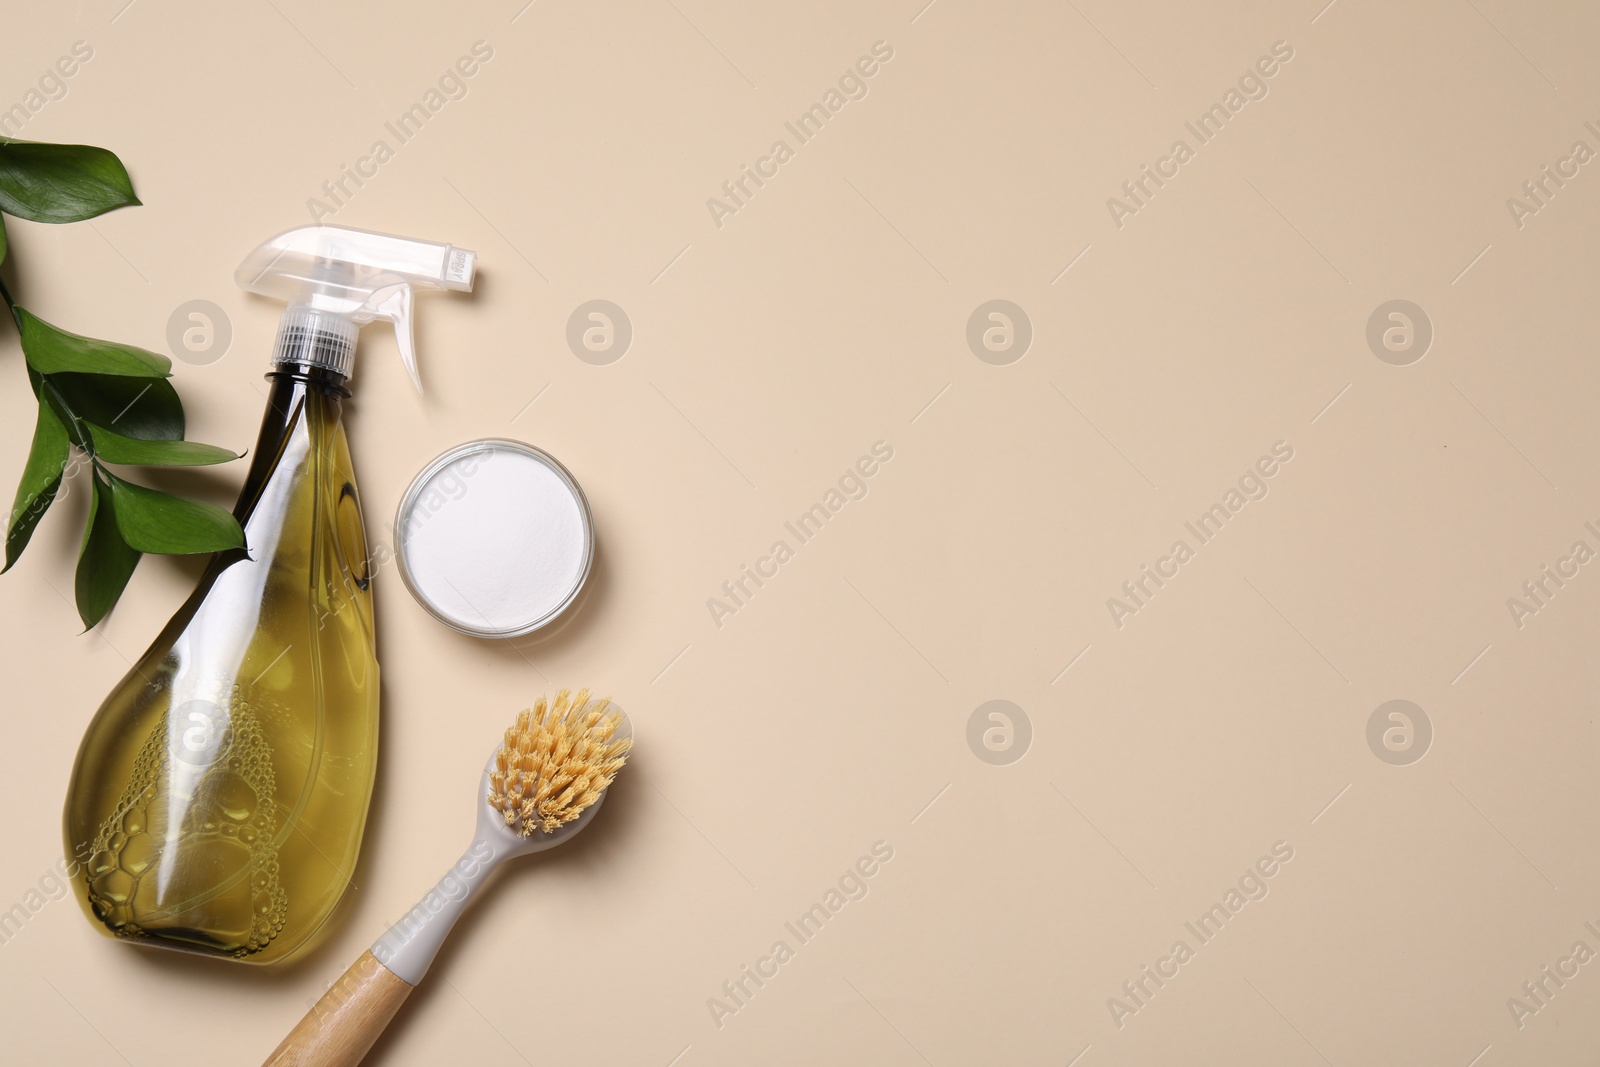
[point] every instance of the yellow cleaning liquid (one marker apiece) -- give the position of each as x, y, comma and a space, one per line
220, 792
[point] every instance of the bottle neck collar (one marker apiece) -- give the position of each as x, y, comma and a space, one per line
313, 338
307, 376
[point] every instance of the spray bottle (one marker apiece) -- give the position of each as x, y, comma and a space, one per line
220, 793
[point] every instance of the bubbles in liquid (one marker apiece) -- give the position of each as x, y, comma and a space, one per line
212, 772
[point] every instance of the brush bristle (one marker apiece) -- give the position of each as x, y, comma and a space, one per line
556, 761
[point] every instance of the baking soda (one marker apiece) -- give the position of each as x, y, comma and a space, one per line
496, 542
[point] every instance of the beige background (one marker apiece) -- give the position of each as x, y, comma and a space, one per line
827, 314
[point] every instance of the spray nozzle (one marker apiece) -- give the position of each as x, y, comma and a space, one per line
336, 280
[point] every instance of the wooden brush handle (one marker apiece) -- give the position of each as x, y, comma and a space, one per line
342, 1026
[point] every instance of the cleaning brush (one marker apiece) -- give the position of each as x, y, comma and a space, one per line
541, 787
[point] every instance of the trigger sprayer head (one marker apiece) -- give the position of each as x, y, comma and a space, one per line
335, 280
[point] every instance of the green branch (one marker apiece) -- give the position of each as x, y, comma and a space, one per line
85, 386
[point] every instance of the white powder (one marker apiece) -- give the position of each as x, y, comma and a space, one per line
494, 541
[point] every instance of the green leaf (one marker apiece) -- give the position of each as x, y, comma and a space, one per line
145, 408
41, 479
114, 448
2, 239
61, 182
152, 521
106, 562
50, 350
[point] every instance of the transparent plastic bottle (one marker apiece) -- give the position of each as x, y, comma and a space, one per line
221, 791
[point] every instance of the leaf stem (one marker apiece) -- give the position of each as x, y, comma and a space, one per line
78, 431
11, 305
